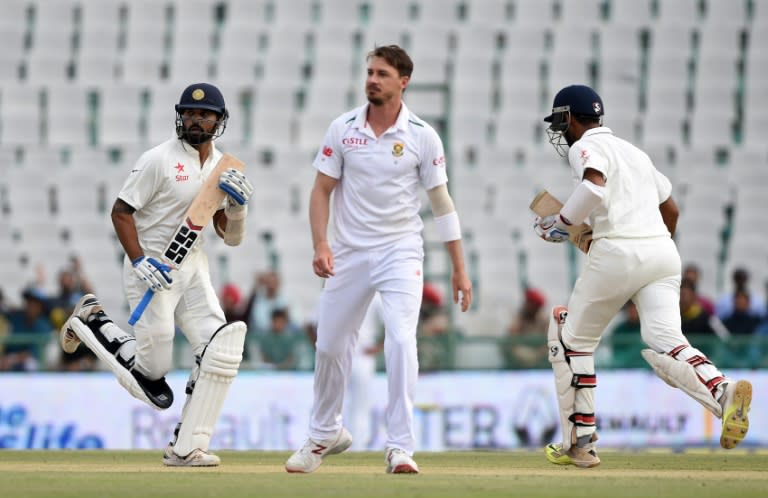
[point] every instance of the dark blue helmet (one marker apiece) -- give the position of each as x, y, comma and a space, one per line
202, 96
574, 100
579, 100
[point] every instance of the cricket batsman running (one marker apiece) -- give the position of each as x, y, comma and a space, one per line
629, 205
153, 217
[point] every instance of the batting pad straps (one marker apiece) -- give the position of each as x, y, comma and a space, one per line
582, 201
448, 227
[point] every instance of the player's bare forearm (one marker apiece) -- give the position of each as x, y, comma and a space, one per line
462, 285
319, 213
670, 213
320, 207
220, 223
125, 228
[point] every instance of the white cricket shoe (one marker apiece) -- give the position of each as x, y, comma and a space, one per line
735, 402
400, 462
87, 305
311, 455
197, 458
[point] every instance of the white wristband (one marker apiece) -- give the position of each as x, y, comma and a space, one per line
448, 227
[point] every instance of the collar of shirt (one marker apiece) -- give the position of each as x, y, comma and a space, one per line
596, 131
362, 117
183, 147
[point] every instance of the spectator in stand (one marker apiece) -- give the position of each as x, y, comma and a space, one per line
692, 272
740, 279
626, 342
72, 285
696, 320
741, 324
266, 297
31, 326
232, 303
278, 344
434, 343
742, 321
527, 343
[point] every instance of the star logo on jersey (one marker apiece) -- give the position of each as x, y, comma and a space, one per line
179, 168
327, 151
397, 149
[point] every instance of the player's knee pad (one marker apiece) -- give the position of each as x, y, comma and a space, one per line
574, 382
208, 386
678, 368
117, 348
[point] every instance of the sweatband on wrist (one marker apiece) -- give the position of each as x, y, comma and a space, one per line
582, 202
448, 227
234, 232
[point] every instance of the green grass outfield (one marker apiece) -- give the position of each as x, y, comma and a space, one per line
119, 474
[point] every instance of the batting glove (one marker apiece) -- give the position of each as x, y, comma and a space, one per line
154, 273
236, 185
552, 228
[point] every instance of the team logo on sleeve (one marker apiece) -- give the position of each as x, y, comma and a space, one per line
584, 156
327, 151
397, 149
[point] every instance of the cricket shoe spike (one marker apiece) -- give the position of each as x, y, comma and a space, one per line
86, 306
735, 402
197, 458
310, 456
584, 456
400, 462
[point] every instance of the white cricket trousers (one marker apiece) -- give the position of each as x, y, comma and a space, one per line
647, 271
191, 304
396, 272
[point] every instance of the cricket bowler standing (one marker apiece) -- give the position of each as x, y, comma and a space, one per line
375, 159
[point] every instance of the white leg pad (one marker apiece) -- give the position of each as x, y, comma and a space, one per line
218, 367
566, 393
124, 376
682, 375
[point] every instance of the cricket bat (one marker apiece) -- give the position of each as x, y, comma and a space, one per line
545, 204
205, 204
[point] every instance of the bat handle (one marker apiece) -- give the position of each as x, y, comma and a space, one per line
139, 310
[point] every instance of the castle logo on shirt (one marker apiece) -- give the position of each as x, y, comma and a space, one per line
397, 149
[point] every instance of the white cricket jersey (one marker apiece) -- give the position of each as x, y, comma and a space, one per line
634, 188
161, 186
376, 199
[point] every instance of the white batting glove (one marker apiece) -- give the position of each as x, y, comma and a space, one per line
154, 273
552, 228
236, 185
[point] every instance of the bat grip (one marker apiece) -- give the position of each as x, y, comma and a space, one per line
139, 310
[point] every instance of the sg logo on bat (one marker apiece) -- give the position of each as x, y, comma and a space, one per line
182, 243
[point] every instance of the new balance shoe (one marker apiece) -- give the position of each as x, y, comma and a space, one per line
87, 305
581, 456
197, 458
735, 402
400, 462
310, 456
